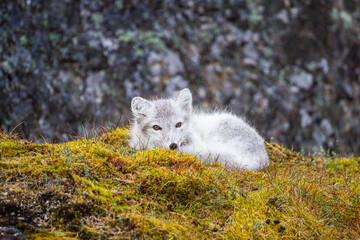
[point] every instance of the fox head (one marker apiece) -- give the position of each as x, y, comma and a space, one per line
163, 123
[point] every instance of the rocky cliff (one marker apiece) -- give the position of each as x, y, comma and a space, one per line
291, 67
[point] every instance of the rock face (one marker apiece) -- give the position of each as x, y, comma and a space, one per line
292, 68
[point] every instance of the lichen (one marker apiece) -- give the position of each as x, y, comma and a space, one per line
99, 188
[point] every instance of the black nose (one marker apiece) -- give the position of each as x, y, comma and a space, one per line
173, 146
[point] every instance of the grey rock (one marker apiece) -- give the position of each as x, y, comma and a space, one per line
326, 127
11, 233
175, 84
169, 63
156, 69
193, 53
218, 46
283, 16
306, 119
174, 63
301, 79
94, 87
319, 136
324, 65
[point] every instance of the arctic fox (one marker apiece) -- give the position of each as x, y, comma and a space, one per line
218, 136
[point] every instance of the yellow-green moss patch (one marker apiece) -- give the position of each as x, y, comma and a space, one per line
100, 188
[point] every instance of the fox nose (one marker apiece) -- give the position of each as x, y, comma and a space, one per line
173, 146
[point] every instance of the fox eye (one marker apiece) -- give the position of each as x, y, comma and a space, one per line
156, 127
178, 125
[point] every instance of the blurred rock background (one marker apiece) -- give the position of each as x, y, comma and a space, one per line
291, 67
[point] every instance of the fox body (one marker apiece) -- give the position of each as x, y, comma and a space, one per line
220, 136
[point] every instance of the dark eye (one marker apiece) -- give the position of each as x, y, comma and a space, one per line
178, 125
156, 127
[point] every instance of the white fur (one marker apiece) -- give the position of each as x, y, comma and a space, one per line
219, 136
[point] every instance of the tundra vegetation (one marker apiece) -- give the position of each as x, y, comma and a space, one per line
99, 188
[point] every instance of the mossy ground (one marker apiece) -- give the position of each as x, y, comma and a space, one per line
99, 188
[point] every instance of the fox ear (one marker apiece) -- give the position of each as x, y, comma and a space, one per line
184, 99
140, 106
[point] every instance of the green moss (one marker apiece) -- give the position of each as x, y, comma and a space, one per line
50, 236
10, 149
23, 40
142, 39
100, 188
6, 66
98, 19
